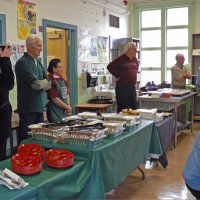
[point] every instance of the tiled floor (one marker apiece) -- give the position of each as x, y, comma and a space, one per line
160, 183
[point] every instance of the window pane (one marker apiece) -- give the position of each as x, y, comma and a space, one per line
151, 59
147, 76
171, 54
151, 38
177, 16
169, 76
151, 18
177, 37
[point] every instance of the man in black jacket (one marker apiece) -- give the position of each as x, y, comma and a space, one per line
6, 84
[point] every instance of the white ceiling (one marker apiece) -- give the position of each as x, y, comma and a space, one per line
118, 3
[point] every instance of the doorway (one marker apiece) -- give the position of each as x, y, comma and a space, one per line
60, 41
2, 29
57, 46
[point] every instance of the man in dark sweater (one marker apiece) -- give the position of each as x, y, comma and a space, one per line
6, 84
125, 68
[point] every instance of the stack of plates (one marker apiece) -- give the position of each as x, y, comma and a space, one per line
59, 158
26, 164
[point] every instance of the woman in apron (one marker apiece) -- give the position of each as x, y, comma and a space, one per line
58, 106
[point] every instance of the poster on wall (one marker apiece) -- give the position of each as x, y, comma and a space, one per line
84, 44
102, 49
26, 19
18, 52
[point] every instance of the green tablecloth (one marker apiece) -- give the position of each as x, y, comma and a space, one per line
28, 192
99, 169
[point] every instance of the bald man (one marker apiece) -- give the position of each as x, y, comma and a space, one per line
125, 68
179, 73
31, 85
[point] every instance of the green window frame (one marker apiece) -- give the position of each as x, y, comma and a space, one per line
163, 70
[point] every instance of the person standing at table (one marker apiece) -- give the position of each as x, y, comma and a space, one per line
179, 73
124, 68
58, 106
32, 83
6, 84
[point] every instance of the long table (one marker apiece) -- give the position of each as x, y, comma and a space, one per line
168, 104
97, 170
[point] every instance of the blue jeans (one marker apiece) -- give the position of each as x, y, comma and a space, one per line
25, 120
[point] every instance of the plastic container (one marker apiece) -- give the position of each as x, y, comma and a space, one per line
26, 164
59, 158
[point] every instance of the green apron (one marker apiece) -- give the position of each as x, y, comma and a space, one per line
57, 113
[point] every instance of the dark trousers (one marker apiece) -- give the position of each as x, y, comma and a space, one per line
195, 193
25, 120
125, 97
5, 128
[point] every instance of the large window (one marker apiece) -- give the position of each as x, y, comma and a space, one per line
163, 34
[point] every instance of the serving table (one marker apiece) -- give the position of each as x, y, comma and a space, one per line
97, 170
169, 104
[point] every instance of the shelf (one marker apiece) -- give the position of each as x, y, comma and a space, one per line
195, 47
182, 125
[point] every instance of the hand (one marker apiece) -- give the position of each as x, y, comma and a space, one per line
117, 79
7, 52
47, 86
187, 75
68, 108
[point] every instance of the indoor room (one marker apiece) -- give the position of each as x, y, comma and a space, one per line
99, 99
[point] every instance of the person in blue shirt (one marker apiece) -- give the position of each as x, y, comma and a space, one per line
191, 171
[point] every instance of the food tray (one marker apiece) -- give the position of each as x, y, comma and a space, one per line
89, 138
113, 129
49, 134
127, 119
92, 115
85, 142
87, 134
59, 158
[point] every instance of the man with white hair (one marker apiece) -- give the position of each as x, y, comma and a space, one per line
125, 68
179, 73
31, 85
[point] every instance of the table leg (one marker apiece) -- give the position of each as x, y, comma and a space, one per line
175, 134
143, 174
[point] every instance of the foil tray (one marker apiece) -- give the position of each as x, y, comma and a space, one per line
113, 129
81, 139
87, 134
49, 134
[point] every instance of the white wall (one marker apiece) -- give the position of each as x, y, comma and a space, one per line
73, 12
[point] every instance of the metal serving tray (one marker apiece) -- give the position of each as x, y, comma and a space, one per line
89, 138
113, 129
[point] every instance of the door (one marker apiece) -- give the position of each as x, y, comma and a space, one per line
57, 46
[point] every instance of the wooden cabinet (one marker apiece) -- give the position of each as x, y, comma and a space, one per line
195, 52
